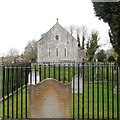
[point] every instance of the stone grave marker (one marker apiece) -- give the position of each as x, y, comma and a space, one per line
50, 99
75, 80
117, 87
31, 77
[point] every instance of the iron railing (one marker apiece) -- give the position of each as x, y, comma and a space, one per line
100, 88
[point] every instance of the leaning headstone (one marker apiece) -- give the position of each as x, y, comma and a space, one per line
50, 99
33, 77
75, 84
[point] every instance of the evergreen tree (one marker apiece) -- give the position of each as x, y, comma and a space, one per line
101, 56
110, 13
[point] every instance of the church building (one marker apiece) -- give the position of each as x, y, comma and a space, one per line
58, 45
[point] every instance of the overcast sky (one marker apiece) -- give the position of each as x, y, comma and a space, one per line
24, 20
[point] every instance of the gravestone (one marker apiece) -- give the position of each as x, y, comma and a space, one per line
117, 89
31, 77
75, 87
50, 99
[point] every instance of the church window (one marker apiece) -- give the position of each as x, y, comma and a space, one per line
49, 52
65, 52
57, 37
57, 52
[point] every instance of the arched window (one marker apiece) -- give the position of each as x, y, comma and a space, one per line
49, 52
65, 52
57, 52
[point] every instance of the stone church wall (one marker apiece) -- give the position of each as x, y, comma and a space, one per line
57, 45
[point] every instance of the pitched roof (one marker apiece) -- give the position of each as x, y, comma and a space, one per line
56, 25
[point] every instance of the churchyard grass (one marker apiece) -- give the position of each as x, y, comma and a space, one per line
76, 102
89, 100
15, 103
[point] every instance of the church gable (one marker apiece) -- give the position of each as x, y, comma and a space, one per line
57, 34
57, 45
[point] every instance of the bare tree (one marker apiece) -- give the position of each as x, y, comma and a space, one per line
13, 52
83, 36
11, 56
72, 29
78, 36
81, 33
30, 52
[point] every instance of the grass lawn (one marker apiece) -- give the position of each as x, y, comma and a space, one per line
17, 107
98, 100
17, 111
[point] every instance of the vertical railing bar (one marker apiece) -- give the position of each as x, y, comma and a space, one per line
21, 91
12, 92
7, 92
44, 71
117, 92
107, 67
3, 94
98, 91
73, 91
93, 89
26, 91
59, 72
112, 93
49, 70
35, 75
40, 72
31, 76
78, 90
102, 93
110, 87
68, 72
54, 70
16, 92
88, 90
64, 73
83, 91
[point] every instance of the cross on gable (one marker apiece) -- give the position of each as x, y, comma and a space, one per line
57, 20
